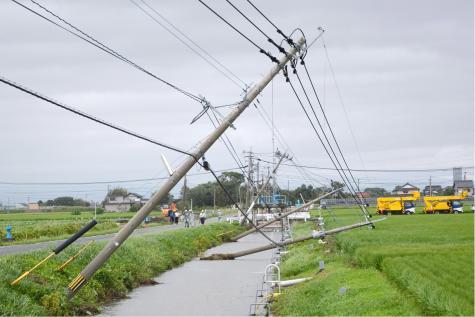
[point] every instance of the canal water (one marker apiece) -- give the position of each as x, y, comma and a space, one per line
197, 288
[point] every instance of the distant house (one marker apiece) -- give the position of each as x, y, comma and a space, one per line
124, 203
21, 206
33, 206
436, 190
363, 194
405, 189
460, 186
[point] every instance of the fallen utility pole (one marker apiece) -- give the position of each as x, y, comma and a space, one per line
181, 171
308, 204
262, 189
314, 235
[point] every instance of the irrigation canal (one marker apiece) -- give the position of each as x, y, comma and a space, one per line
202, 287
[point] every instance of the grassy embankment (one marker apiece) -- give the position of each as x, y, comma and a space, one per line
409, 265
44, 226
135, 263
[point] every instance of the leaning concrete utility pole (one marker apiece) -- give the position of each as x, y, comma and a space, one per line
181, 171
314, 235
308, 204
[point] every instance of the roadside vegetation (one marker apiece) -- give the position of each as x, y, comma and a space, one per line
134, 264
409, 265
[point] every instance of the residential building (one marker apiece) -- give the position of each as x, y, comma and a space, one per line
405, 189
463, 185
363, 195
434, 190
33, 206
124, 203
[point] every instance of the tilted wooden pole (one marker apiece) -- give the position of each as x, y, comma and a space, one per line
308, 204
315, 235
201, 149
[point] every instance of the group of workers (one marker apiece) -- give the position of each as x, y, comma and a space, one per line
174, 215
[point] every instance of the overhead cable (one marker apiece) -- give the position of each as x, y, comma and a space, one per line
269, 39
92, 118
261, 50
91, 40
225, 71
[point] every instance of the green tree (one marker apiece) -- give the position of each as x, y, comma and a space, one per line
448, 191
64, 201
376, 191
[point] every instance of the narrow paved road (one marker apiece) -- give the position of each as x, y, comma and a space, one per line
22, 248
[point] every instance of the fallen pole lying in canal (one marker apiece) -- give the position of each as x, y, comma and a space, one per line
308, 204
314, 235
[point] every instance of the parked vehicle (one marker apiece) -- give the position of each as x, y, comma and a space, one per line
402, 205
444, 204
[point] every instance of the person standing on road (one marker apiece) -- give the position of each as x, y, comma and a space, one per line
202, 217
219, 213
170, 215
177, 217
186, 218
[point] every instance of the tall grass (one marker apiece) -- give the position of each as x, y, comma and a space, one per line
138, 260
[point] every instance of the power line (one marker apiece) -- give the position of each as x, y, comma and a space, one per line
340, 97
109, 181
261, 50
326, 150
287, 38
350, 187
229, 147
280, 138
325, 135
381, 170
205, 52
90, 117
91, 40
269, 39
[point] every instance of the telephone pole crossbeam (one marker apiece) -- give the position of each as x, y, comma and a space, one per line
179, 173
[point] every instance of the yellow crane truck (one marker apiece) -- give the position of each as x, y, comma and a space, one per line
403, 205
444, 204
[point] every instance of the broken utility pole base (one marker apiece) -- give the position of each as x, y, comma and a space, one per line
178, 174
314, 235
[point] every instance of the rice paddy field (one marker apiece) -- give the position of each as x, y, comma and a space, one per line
409, 265
29, 227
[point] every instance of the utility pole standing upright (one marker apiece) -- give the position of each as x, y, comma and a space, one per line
184, 193
181, 171
430, 185
250, 177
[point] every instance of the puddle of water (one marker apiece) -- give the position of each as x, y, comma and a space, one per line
202, 288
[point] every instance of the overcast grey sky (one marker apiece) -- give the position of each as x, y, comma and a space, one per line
404, 69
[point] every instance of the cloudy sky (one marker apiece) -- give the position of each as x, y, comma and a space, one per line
404, 70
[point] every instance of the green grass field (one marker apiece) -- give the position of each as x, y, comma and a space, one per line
409, 265
34, 227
